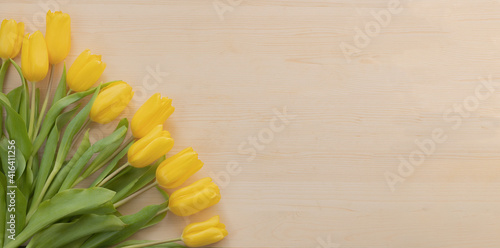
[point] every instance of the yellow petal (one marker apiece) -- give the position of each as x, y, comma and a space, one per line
173, 172
191, 199
111, 102
85, 71
58, 35
204, 233
153, 112
153, 151
34, 59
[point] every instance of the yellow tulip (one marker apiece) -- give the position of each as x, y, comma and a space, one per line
175, 170
58, 36
111, 102
204, 233
85, 71
34, 58
153, 112
11, 38
150, 147
192, 199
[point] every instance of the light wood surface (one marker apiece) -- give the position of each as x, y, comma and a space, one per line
320, 181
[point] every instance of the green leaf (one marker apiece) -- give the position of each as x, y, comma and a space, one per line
19, 210
23, 110
157, 219
161, 216
116, 136
48, 156
61, 234
107, 153
56, 109
76, 243
133, 181
133, 223
37, 102
58, 181
123, 123
68, 203
71, 130
15, 97
111, 166
61, 87
3, 71
19, 162
125, 181
16, 127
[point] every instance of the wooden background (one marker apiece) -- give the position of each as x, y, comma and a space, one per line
366, 82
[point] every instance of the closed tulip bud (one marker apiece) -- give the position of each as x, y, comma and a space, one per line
204, 233
111, 102
153, 112
150, 147
58, 36
11, 38
192, 199
175, 170
85, 71
34, 58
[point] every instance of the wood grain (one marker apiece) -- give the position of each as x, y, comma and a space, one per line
321, 179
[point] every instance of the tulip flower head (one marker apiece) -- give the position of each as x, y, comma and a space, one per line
58, 36
111, 102
192, 199
153, 112
204, 233
150, 147
34, 58
11, 38
174, 171
85, 71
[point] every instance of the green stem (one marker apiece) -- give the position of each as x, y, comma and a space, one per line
77, 135
32, 111
132, 196
153, 243
88, 173
44, 106
3, 72
34, 205
110, 176
163, 211
69, 92
24, 111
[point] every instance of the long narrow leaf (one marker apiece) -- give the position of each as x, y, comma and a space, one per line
116, 136
56, 109
65, 204
16, 127
61, 87
58, 181
50, 152
61, 234
134, 223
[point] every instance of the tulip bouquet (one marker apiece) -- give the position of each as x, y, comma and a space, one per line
42, 202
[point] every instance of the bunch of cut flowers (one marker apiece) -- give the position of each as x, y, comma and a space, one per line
46, 153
